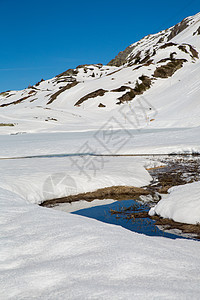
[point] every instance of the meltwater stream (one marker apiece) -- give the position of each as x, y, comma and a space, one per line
104, 213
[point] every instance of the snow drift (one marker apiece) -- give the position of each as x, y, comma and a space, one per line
181, 205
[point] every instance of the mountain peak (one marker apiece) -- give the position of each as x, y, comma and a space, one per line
151, 42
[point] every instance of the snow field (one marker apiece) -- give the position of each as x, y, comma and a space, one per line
47, 254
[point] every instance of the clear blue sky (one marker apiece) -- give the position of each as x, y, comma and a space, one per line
40, 38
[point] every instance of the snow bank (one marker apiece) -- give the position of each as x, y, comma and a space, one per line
47, 254
182, 204
39, 179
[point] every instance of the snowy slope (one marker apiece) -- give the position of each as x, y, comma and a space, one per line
155, 85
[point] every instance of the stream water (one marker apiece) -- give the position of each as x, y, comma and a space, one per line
104, 213
176, 170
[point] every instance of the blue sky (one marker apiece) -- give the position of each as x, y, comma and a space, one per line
40, 39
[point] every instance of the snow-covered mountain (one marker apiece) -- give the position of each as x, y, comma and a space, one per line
152, 83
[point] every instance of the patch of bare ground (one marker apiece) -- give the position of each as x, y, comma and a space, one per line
132, 213
15, 102
113, 192
69, 72
178, 28
167, 45
193, 51
120, 59
10, 95
135, 59
32, 92
38, 83
197, 32
122, 88
169, 69
5, 94
51, 119
169, 224
99, 92
6, 124
139, 89
183, 48
66, 87
178, 171
33, 100
109, 74
101, 105
167, 180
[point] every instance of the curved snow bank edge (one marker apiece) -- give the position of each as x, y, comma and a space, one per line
181, 205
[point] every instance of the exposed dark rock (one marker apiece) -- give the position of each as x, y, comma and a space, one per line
149, 62
38, 83
9, 95
154, 52
122, 88
51, 119
15, 102
94, 94
193, 51
144, 60
87, 65
178, 28
5, 94
69, 72
66, 79
82, 66
138, 67
101, 105
55, 95
136, 58
32, 92
172, 55
164, 60
120, 59
161, 40
183, 48
169, 69
167, 45
6, 124
113, 72
139, 89
127, 97
197, 32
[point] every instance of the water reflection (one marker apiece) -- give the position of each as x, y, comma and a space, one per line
105, 214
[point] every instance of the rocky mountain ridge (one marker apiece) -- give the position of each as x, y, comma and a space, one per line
144, 68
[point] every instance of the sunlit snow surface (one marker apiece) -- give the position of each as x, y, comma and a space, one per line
47, 254
39, 179
182, 204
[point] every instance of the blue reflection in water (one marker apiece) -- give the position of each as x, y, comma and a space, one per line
143, 225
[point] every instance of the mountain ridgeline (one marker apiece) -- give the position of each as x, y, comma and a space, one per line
153, 65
